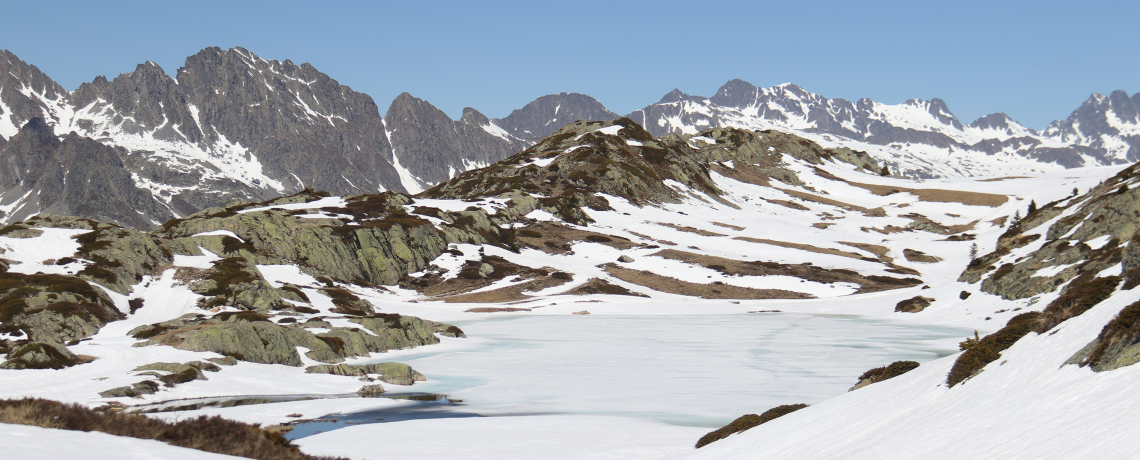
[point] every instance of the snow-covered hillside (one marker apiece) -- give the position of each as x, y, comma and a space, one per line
626, 296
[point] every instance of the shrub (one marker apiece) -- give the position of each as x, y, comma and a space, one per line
989, 348
890, 371
747, 422
210, 434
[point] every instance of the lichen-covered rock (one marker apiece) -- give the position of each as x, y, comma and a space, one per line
250, 336
368, 391
39, 355
394, 373
237, 282
145, 387
1107, 213
914, 304
52, 308
382, 244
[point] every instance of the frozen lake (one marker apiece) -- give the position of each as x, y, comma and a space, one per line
698, 370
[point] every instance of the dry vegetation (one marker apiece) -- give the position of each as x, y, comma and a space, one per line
210, 434
747, 422
705, 291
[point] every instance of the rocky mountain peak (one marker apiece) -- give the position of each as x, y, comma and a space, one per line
992, 121
474, 117
735, 93
545, 115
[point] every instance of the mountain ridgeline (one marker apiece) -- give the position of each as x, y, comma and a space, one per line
231, 126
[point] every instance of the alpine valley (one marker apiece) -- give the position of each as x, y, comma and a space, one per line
764, 273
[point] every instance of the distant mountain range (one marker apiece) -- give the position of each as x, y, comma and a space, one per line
145, 147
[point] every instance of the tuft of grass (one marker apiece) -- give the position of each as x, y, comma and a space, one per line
209, 434
747, 422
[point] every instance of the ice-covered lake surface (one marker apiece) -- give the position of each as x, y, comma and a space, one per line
689, 370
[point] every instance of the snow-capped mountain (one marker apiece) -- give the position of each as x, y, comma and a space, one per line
233, 126
917, 138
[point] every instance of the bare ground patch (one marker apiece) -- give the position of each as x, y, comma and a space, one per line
705, 291
555, 238
919, 256
687, 229
929, 194
788, 204
996, 179
820, 199
734, 227
650, 238
601, 286
808, 272
806, 247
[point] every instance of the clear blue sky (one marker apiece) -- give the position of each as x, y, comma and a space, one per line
1036, 61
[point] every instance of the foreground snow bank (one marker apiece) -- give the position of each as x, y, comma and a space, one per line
33, 442
508, 438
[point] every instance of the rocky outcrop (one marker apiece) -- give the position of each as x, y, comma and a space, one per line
1089, 239
52, 308
40, 355
394, 373
583, 160
913, 305
253, 337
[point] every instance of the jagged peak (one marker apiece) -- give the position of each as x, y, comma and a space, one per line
735, 93
474, 117
674, 96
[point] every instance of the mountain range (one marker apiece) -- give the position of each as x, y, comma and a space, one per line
230, 126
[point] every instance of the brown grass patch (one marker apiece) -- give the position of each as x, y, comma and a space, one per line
996, 179
209, 434
688, 229
887, 230
734, 227
819, 199
919, 256
788, 204
601, 286
805, 247
803, 271
937, 195
823, 225
650, 238
877, 250
554, 238
705, 291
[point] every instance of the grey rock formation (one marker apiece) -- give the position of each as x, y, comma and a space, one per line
547, 114
434, 148
76, 176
